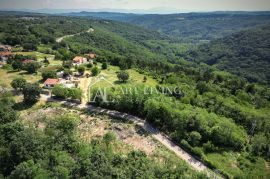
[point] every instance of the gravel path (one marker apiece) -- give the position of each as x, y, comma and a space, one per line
156, 134
60, 39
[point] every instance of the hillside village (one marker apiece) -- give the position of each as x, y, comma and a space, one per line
68, 79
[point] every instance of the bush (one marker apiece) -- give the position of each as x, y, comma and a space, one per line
18, 84
17, 65
32, 67
104, 66
123, 76
31, 93
95, 71
81, 69
60, 92
49, 74
66, 93
75, 93
30, 47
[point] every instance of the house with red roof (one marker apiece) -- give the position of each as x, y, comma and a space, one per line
51, 82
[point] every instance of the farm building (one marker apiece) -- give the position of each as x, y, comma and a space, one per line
79, 60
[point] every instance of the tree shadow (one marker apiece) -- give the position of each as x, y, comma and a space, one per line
20, 106
23, 73
12, 71
120, 82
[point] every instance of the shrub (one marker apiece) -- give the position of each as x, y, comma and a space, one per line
95, 71
123, 76
49, 74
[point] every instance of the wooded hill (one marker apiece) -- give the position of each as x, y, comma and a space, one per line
190, 27
246, 53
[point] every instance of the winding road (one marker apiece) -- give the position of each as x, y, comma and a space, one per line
155, 133
60, 39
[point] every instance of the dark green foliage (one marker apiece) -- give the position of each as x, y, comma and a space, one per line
17, 65
66, 93
199, 26
57, 152
32, 67
18, 84
7, 113
95, 71
244, 53
123, 76
48, 74
29, 47
31, 93
104, 66
81, 69
60, 92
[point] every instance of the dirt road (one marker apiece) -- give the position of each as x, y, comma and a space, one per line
60, 39
156, 134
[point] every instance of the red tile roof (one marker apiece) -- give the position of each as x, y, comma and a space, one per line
79, 59
6, 53
51, 81
28, 61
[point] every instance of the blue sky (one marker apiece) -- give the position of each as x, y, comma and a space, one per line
158, 5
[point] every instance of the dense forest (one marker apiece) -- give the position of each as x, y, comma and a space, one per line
245, 53
190, 27
221, 118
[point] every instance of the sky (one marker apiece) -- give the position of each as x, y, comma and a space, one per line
141, 5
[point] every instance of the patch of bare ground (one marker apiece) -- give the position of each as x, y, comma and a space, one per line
38, 117
92, 127
96, 127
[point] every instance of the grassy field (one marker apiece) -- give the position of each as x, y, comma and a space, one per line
110, 76
41, 56
8, 76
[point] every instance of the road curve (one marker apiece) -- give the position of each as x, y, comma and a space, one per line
156, 134
60, 39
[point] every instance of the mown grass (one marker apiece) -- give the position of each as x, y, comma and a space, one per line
8, 76
110, 76
41, 56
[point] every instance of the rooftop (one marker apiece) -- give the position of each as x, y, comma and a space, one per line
51, 81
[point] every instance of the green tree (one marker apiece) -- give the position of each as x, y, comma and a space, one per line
202, 87
81, 69
123, 76
32, 67
30, 47
104, 66
17, 65
95, 71
60, 92
75, 93
7, 113
194, 138
46, 61
25, 170
48, 74
144, 79
31, 93
18, 84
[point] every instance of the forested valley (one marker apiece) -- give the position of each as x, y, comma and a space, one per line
221, 113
